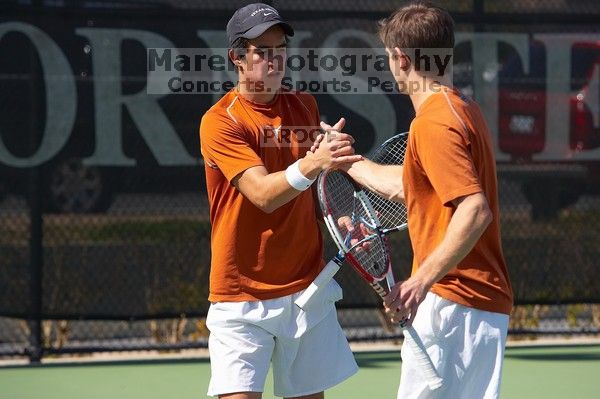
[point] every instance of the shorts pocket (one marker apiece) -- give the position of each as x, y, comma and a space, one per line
334, 292
316, 309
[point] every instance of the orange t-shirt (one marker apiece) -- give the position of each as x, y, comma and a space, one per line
255, 255
449, 155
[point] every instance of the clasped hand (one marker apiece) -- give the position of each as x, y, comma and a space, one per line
333, 149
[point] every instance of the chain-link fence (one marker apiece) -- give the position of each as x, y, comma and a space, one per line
104, 232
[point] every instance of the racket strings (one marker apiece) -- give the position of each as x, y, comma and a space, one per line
346, 212
374, 259
391, 214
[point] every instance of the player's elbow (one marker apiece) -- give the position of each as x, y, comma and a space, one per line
477, 207
397, 194
484, 214
394, 184
488, 217
266, 201
256, 188
392, 190
268, 207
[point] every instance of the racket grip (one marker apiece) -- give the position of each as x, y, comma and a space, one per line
434, 381
319, 282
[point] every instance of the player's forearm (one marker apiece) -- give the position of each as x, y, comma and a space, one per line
269, 191
273, 190
468, 223
385, 180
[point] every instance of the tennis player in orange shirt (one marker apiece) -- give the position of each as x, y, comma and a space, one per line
266, 243
459, 295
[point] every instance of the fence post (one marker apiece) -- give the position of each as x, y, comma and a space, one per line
35, 350
36, 259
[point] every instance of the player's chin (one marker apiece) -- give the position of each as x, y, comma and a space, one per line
276, 71
272, 86
275, 77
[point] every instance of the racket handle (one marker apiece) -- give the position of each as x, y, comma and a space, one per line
434, 381
320, 281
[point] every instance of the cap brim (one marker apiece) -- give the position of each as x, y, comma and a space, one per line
262, 28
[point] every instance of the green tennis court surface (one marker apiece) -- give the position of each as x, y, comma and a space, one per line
530, 373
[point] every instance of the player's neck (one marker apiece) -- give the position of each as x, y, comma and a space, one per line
427, 88
250, 92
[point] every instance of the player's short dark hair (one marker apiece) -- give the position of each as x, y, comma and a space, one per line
417, 25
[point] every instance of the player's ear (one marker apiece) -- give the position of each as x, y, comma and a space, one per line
404, 59
235, 58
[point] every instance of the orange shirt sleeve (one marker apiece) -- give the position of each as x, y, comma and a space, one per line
224, 145
445, 157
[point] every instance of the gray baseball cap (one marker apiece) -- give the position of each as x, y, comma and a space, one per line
253, 20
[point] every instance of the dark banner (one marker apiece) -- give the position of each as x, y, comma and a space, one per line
115, 170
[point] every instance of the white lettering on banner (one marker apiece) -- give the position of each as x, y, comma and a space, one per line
162, 139
61, 98
152, 123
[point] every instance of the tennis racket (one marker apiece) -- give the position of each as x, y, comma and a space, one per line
358, 237
351, 220
392, 216
348, 203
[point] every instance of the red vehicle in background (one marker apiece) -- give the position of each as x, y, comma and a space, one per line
522, 131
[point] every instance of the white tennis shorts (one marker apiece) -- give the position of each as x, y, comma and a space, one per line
466, 346
308, 349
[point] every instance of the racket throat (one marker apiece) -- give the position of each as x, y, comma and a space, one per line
379, 289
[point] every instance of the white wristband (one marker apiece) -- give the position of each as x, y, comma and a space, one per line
296, 179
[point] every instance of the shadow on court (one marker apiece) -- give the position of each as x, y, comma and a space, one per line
376, 359
110, 363
583, 353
